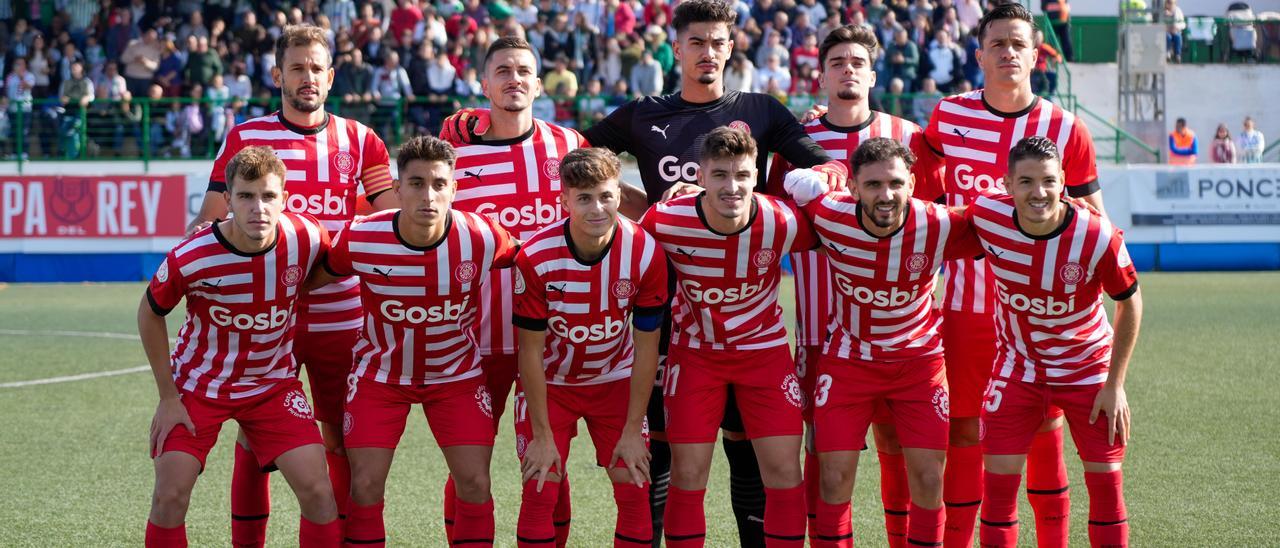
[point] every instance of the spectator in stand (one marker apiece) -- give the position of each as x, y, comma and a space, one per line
772, 71
95, 57
1175, 22
1059, 14
655, 40
250, 34
193, 27
646, 76
111, 86
141, 58
561, 78
762, 12
362, 27
18, 88
804, 82
584, 40
946, 61
1044, 79
972, 71
925, 101
895, 101
618, 95
405, 17
186, 123
70, 55
468, 87
376, 48
782, 27
902, 58
801, 27
423, 57
1252, 143
341, 13
655, 8
1183, 146
618, 19
202, 64
813, 11
875, 11
169, 72
525, 13
806, 53
221, 116
888, 27
390, 86
1224, 149
591, 105
557, 41
920, 7
740, 74
772, 46
920, 32
610, 67
353, 85
40, 66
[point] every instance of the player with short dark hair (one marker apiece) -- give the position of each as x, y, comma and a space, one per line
578, 283
726, 244
1051, 258
421, 269
234, 360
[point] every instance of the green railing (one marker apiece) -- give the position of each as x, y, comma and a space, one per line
1096, 40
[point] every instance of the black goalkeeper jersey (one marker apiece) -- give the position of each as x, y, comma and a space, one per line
664, 133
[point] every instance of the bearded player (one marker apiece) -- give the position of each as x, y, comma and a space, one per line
1051, 258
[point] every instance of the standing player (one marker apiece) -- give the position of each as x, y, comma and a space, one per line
241, 278
847, 58
725, 244
421, 270
583, 280
973, 133
328, 159
1051, 259
885, 249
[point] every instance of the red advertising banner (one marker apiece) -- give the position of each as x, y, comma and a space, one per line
106, 206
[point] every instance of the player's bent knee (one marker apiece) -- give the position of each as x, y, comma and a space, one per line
367, 488
1004, 464
472, 486
315, 499
169, 504
928, 480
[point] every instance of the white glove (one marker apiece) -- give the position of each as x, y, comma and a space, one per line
805, 185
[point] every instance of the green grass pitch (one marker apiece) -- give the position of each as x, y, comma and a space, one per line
1202, 470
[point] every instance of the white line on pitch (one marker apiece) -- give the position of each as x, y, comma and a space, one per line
61, 333
80, 377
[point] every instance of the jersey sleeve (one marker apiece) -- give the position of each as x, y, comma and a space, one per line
338, 261
806, 239
927, 170
530, 300
788, 138
962, 241
376, 176
1080, 163
778, 169
932, 136
649, 221
167, 286
652, 295
1115, 269
230, 146
506, 247
614, 132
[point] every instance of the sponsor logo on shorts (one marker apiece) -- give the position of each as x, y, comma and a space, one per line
347, 423
917, 262
551, 168
344, 162
623, 289
942, 404
763, 258
297, 405
791, 388
522, 445
162, 273
644, 428
484, 401
982, 429
291, 276
1071, 273
465, 272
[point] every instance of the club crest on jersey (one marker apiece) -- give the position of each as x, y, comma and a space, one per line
1122, 258
344, 162
942, 404
297, 405
484, 401
551, 168
519, 282
763, 258
291, 276
791, 389
739, 124
348, 422
162, 273
465, 272
1071, 273
623, 289
917, 262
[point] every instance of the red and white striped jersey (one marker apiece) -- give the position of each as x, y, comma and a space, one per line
883, 286
515, 182
237, 339
812, 275
1050, 321
974, 141
728, 283
326, 167
586, 306
420, 302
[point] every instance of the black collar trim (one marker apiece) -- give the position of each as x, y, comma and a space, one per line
222, 239
702, 216
302, 130
1066, 222
573, 249
448, 225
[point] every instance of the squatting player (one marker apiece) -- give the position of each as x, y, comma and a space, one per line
234, 357
328, 159
884, 250
726, 243
579, 282
1051, 259
421, 269
847, 57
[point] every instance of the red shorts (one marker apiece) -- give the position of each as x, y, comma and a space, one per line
500, 372
849, 392
1013, 411
970, 346
275, 422
328, 357
458, 412
764, 382
807, 371
604, 406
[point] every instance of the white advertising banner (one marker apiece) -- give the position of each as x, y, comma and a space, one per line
1204, 203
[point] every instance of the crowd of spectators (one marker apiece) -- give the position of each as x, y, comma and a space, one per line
402, 65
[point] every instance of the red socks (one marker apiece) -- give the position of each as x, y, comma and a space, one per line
961, 494
250, 500
364, 526
1000, 511
340, 479
926, 526
812, 491
634, 528
1108, 518
534, 528
784, 516
450, 508
1047, 489
474, 526
562, 517
834, 529
685, 520
320, 535
166, 537
896, 497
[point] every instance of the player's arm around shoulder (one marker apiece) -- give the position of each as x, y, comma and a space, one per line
962, 240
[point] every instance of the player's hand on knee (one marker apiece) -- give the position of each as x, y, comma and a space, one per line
169, 414
680, 189
465, 126
1112, 402
540, 458
814, 112
631, 450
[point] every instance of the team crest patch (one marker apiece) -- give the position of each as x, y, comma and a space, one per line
739, 124
522, 445
344, 162
551, 168
763, 258
1071, 273
347, 423
465, 272
291, 276
982, 429
623, 289
917, 262
791, 388
519, 283
1122, 258
484, 401
297, 405
942, 404
162, 273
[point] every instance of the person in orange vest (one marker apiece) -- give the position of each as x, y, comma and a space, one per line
1182, 144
